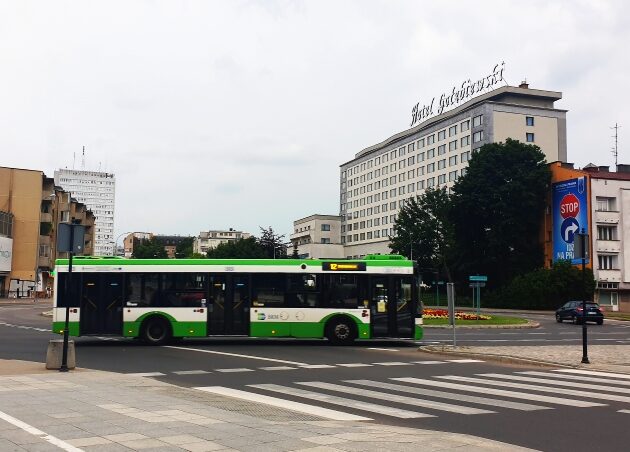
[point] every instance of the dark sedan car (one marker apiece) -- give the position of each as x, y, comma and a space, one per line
573, 310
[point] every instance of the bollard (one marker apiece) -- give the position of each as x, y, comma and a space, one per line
54, 352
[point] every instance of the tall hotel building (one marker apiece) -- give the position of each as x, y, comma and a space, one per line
380, 178
96, 190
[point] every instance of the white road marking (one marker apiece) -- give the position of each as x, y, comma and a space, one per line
593, 373
36, 432
624, 411
395, 398
577, 377
462, 361
571, 384
237, 369
145, 374
191, 372
506, 384
286, 404
499, 392
317, 366
278, 368
383, 349
354, 365
214, 352
392, 363
349, 403
22, 327
429, 362
449, 395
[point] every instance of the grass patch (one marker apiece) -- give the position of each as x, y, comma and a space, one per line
494, 320
617, 315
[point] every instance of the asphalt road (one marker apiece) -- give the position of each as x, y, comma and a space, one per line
388, 381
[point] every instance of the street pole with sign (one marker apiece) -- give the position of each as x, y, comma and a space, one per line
450, 296
581, 252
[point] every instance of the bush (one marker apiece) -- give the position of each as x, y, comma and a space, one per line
543, 288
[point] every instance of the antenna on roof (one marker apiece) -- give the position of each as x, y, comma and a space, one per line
615, 150
83, 159
74, 157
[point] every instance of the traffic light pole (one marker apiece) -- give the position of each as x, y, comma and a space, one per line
584, 330
69, 292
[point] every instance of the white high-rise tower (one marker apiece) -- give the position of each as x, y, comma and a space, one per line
97, 191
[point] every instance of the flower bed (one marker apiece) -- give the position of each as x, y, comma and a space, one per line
443, 314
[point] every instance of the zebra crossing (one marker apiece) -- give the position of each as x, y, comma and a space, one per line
412, 398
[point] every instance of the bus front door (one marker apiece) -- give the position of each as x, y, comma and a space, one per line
382, 307
101, 304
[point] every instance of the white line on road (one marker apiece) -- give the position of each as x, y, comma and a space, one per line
348, 403
383, 349
429, 362
317, 366
239, 369
392, 363
278, 368
624, 411
499, 392
145, 374
355, 365
576, 377
36, 432
593, 373
237, 355
286, 404
571, 384
191, 372
462, 361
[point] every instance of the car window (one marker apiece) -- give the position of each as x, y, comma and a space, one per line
592, 305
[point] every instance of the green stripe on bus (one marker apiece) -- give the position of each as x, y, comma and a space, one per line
303, 329
418, 332
73, 328
180, 329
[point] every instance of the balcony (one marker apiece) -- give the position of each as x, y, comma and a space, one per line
44, 240
613, 275
46, 217
606, 217
44, 262
608, 246
297, 235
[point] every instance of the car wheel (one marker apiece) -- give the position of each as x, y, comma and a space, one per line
156, 331
558, 318
341, 331
600, 322
574, 320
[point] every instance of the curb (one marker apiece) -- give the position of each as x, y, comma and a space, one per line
500, 358
529, 324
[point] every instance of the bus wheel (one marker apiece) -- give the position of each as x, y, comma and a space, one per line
341, 331
156, 331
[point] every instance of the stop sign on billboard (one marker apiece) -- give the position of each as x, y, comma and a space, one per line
569, 206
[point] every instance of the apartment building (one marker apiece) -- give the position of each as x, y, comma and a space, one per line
31, 208
208, 240
376, 183
97, 191
317, 237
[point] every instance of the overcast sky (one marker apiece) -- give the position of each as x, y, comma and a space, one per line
218, 114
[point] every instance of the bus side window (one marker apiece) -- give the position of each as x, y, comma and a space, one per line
343, 291
268, 290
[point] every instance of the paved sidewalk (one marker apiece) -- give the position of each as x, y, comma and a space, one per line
101, 411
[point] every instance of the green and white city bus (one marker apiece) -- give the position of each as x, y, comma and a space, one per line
160, 299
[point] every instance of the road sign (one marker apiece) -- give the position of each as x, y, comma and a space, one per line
478, 278
70, 238
477, 284
568, 229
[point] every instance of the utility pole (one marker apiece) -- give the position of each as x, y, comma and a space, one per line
615, 150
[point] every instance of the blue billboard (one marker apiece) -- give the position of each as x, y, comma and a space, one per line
569, 217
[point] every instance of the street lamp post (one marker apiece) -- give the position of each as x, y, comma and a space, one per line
116, 242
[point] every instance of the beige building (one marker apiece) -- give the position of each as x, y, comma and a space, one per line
376, 183
211, 239
317, 237
31, 208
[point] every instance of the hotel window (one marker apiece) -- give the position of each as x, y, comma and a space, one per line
606, 232
441, 149
369, 235
431, 153
442, 164
442, 179
393, 154
377, 161
605, 204
385, 158
462, 172
392, 167
421, 171
441, 135
477, 121
370, 162
452, 146
606, 261
529, 137
465, 141
392, 180
411, 160
452, 161
401, 177
431, 182
377, 173
325, 227
401, 191
392, 193
420, 143
401, 164
411, 147
411, 174
362, 166
377, 234
401, 151
529, 120
392, 205
430, 139
452, 176
420, 185
478, 136
430, 167
452, 131
464, 126
421, 157
411, 188
343, 174
377, 221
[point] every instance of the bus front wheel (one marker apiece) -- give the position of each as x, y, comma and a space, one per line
341, 331
156, 331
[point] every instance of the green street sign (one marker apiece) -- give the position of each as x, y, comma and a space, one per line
477, 278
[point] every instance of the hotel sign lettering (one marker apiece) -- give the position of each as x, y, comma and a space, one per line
457, 95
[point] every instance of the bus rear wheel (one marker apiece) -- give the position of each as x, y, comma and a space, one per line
341, 331
156, 331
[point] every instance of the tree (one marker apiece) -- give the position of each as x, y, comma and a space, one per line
149, 249
424, 230
247, 248
496, 210
272, 243
185, 248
